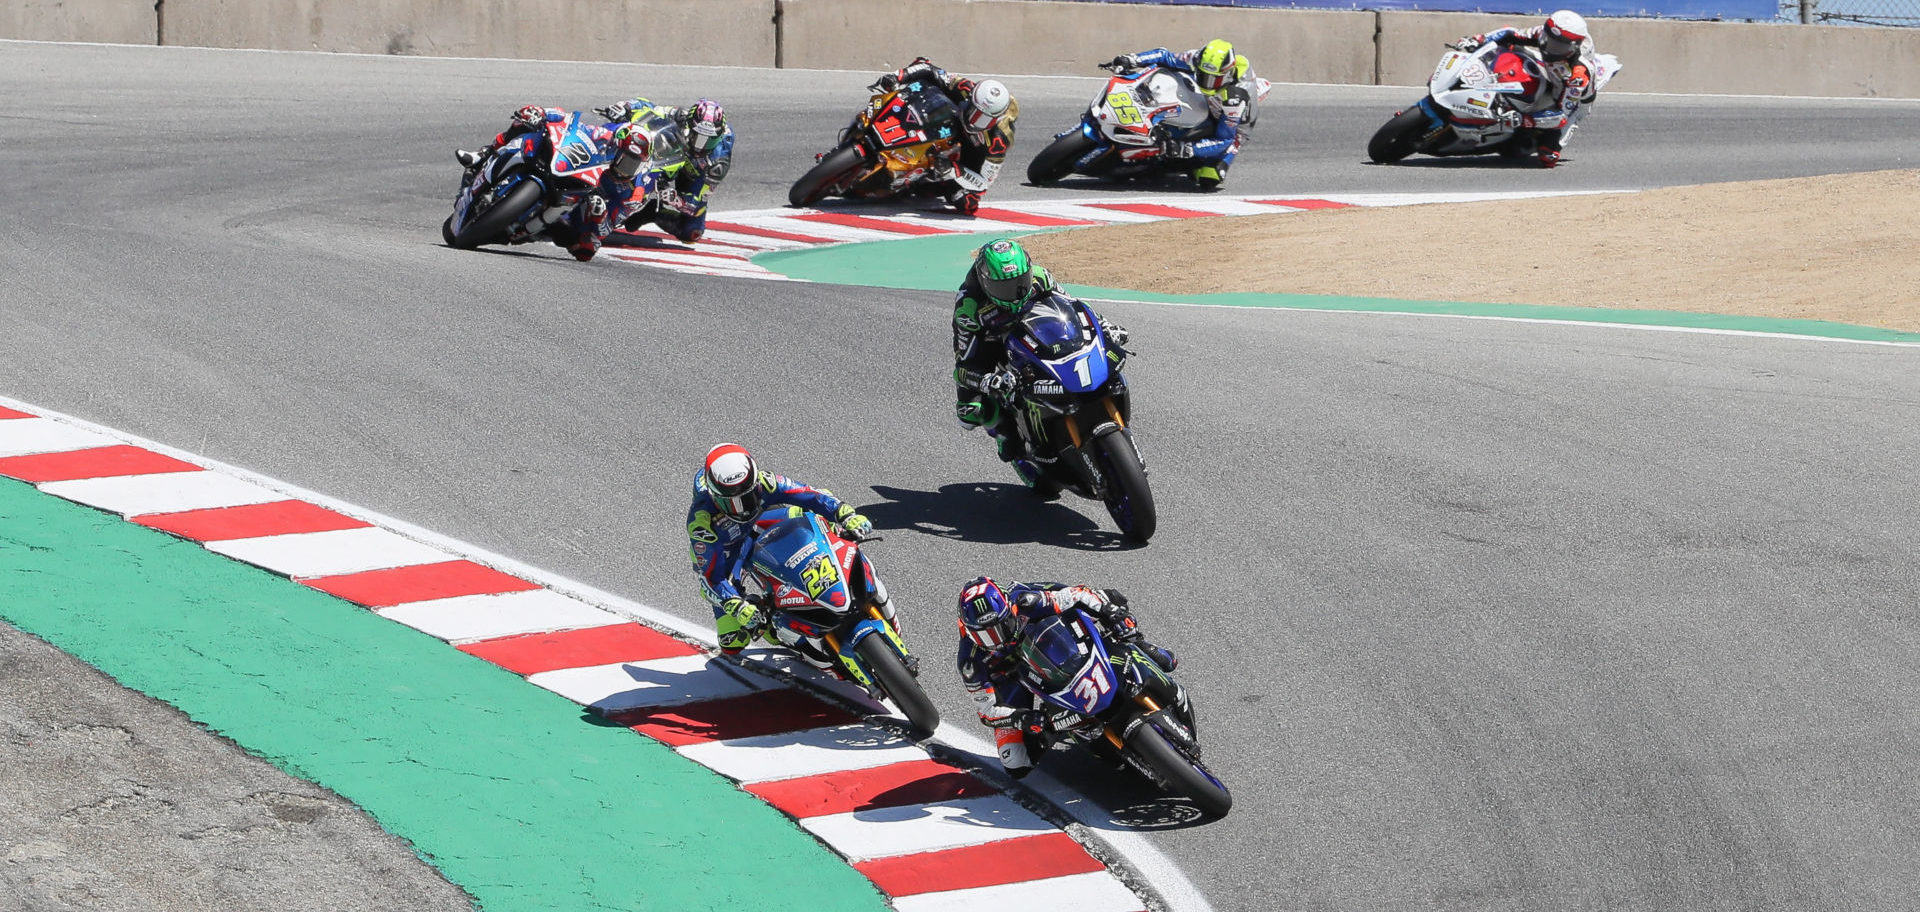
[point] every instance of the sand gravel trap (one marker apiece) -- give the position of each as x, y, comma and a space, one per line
1842, 247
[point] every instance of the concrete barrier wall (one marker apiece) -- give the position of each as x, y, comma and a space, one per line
1663, 56
106, 21
981, 36
1032, 36
738, 32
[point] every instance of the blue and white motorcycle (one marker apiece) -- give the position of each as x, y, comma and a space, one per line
1073, 411
528, 185
816, 587
1119, 137
1113, 698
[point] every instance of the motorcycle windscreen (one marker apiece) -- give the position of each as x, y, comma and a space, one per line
1061, 346
795, 553
1066, 664
669, 143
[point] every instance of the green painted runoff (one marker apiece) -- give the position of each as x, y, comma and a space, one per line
502, 786
938, 262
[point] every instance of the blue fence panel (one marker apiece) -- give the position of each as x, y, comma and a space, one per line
1663, 9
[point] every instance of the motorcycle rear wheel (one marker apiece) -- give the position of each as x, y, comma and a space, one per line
1185, 775
1129, 500
822, 178
1399, 137
1056, 160
885, 664
490, 227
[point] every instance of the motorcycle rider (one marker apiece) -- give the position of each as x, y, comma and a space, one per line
1226, 77
683, 211
1547, 113
728, 495
998, 288
623, 187
993, 619
987, 109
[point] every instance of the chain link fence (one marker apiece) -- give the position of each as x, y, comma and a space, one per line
1899, 13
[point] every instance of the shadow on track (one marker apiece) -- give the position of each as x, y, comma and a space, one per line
990, 513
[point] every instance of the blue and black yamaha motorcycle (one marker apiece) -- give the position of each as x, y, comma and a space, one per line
527, 186
1113, 698
815, 587
1073, 411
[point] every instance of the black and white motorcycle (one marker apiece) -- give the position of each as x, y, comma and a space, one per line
1475, 104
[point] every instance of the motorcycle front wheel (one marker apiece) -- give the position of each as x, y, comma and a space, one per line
1183, 774
491, 226
1399, 137
1056, 160
885, 665
825, 176
1129, 500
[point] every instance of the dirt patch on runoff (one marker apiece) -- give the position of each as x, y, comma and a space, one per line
1842, 247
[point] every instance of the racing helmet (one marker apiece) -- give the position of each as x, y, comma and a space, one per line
633, 151
1563, 35
1005, 273
706, 126
986, 617
733, 481
1217, 66
986, 104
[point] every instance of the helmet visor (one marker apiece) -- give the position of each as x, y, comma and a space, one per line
980, 121
992, 636
1008, 289
704, 139
741, 506
1557, 46
1212, 81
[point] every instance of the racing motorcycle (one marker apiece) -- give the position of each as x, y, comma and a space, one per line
1119, 137
1112, 697
819, 603
1072, 409
1469, 109
527, 186
906, 136
670, 157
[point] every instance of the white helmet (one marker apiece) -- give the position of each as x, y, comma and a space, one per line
1563, 35
733, 481
988, 102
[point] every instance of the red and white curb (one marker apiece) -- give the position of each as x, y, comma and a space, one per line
931, 835
733, 238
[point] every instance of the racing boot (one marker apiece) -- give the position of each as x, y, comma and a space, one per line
1210, 177
1012, 744
469, 160
1161, 655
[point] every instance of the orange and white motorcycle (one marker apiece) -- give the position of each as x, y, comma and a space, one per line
906, 137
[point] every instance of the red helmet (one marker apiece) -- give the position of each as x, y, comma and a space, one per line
1563, 35
633, 151
733, 481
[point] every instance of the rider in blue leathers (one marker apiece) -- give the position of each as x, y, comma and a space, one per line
1227, 80
728, 495
683, 212
993, 618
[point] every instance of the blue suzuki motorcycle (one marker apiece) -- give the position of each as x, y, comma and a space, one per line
527, 186
1114, 699
816, 589
1073, 411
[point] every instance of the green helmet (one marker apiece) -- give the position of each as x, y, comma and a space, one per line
1216, 66
1005, 273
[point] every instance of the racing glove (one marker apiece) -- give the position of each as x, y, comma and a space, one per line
618, 111
1114, 332
1122, 62
999, 384
1173, 148
858, 527
1469, 44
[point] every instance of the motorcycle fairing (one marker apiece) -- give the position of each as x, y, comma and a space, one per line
1058, 341
797, 560
1067, 664
575, 154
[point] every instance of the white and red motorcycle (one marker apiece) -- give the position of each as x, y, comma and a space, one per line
1119, 137
1474, 104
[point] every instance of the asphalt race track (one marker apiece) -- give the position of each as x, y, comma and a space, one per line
1477, 615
